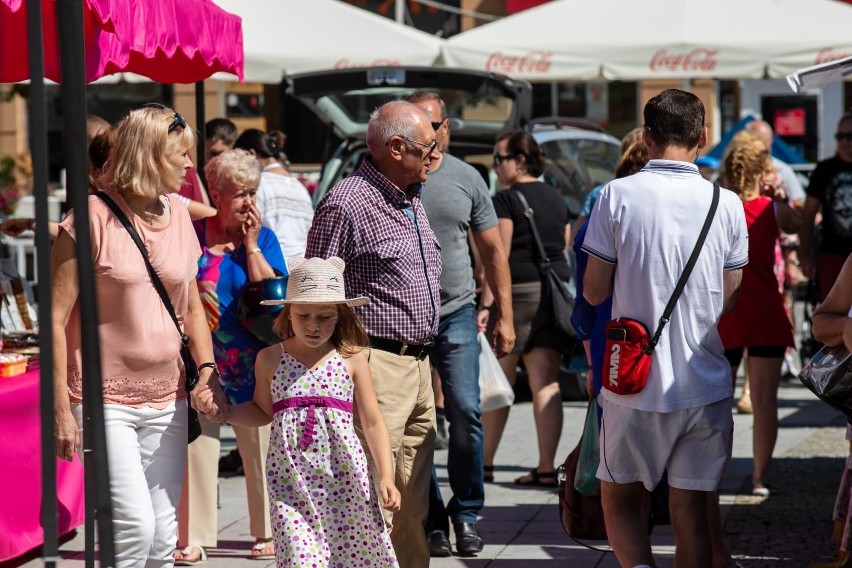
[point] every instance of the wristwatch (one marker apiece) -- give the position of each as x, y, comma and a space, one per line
209, 365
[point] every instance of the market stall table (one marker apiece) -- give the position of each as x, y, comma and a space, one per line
20, 474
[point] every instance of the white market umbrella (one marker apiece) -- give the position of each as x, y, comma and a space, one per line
286, 37
664, 39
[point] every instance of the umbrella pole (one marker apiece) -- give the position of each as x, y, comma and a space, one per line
199, 123
38, 151
69, 15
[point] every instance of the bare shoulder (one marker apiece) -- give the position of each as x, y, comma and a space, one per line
357, 363
269, 356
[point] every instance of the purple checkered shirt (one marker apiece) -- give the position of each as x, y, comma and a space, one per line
390, 258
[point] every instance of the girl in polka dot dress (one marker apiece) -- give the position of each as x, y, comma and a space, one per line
323, 506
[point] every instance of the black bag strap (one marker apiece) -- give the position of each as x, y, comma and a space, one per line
687, 270
529, 213
155, 279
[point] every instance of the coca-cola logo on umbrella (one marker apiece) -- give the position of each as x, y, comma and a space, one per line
700, 59
531, 62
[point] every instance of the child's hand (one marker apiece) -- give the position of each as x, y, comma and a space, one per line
389, 495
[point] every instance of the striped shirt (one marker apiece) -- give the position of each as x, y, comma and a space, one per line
391, 253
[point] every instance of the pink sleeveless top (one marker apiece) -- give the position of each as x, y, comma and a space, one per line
140, 346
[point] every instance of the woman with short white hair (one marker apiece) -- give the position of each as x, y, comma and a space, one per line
236, 250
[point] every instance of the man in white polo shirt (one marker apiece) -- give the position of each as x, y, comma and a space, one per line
641, 233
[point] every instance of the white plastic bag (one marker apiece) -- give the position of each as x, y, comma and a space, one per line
494, 388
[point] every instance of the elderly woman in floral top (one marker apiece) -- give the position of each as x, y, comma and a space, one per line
236, 250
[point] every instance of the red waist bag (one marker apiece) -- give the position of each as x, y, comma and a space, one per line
627, 359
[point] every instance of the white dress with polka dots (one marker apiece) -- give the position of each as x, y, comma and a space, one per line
322, 503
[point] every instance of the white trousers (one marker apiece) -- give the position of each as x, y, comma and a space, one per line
146, 450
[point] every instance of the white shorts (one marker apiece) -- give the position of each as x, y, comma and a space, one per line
693, 445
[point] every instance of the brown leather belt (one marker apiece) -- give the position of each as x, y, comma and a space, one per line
417, 350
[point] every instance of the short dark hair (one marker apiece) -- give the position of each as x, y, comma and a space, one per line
264, 145
221, 129
521, 143
675, 118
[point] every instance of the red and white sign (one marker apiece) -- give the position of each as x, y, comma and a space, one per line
700, 60
530, 63
789, 122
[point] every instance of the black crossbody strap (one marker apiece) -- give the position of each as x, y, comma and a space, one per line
529, 213
687, 270
155, 279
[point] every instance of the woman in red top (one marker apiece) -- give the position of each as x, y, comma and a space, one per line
759, 323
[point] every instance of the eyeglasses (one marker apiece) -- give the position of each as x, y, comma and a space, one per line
429, 147
500, 158
437, 125
178, 119
841, 136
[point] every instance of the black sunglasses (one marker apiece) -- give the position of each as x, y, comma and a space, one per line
177, 122
840, 136
437, 125
500, 158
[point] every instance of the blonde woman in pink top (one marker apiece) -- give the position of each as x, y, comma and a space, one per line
145, 403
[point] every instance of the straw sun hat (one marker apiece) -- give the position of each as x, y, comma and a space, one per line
316, 281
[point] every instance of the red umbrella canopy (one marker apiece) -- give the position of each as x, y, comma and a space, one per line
168, 41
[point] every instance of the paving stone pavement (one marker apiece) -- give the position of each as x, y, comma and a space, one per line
521, 528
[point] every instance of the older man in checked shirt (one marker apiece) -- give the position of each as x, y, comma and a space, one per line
374, 220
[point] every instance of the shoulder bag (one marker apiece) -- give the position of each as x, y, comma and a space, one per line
627, 358
829, 376
581, 515
554, 291
189, 366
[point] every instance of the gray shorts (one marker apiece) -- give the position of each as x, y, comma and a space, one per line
693, 445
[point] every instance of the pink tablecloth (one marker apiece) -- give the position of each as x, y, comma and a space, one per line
20, 471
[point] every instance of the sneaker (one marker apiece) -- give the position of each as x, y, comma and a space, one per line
762, 489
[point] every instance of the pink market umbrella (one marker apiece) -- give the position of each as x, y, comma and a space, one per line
74, 42
168, 41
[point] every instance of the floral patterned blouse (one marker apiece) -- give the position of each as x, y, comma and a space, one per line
221, 278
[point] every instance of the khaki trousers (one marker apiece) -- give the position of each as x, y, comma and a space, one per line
404, 390
197, 511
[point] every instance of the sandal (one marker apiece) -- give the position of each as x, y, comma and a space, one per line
263, 549
538, 478
488, 473
185, 554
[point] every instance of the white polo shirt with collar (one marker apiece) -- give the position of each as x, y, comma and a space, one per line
647, 225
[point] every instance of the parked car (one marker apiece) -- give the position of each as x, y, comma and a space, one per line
479, 105
579, 154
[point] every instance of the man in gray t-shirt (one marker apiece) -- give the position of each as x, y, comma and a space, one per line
456, 200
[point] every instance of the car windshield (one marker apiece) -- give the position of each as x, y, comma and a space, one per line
576, 165
471, 112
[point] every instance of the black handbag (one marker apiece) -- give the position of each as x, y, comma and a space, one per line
554, 290
829, 376
189, 365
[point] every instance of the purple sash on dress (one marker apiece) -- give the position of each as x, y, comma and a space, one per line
311, 402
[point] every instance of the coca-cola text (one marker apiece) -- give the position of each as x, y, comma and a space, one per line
700, 59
